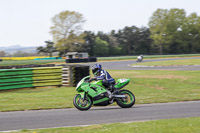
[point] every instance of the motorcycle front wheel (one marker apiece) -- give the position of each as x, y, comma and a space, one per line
82, 104
127, 102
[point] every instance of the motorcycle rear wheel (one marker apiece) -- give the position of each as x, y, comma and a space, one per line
127, 102
82, 104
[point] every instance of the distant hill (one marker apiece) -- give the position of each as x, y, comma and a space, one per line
15, 48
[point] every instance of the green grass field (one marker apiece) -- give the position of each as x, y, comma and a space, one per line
148, 87
183, 125
170, 62
27, 62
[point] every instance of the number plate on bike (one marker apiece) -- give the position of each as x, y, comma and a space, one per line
123, 80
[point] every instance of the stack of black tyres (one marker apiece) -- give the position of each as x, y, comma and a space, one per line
93, 59
77, 60
79, 72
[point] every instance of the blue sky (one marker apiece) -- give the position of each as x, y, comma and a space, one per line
27, 22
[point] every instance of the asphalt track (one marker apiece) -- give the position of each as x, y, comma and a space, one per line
125, 65
96, 115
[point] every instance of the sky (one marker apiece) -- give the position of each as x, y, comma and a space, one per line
28, 22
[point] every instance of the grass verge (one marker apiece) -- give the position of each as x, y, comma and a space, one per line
56, 61
171, 62
148, 86
28, 62
183, 125
35, 99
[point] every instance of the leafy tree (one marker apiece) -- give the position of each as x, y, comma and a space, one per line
49, 48
100, 47
88, 45
103, 36
191, 34
144, 42
40, 49
175, 19
2, 54
127, 39
157, 27
114, 46
174, 32
164, 25
66, 30
71, 43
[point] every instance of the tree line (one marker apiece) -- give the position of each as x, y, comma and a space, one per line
169, 32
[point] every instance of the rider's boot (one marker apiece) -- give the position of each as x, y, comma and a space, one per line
110, 96
111, 101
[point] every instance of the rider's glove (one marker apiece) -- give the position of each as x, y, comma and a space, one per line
90, 80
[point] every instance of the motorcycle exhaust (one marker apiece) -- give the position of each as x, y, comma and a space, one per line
119, 96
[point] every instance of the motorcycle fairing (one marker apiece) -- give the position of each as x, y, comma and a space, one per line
121, 83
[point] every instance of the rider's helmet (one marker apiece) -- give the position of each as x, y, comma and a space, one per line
96, 69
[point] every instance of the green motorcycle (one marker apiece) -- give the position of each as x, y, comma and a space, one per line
95, 93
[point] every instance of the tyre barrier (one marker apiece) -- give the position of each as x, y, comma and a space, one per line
30, 77
66, 76
72, 74
79, 72
16, 78
77, 60
63, 75
92, 59
47, 76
